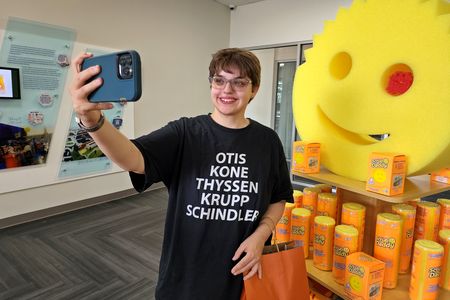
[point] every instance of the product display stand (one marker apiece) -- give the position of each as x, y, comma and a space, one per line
349, 190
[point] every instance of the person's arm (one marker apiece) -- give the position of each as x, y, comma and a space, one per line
254, 244
111, 141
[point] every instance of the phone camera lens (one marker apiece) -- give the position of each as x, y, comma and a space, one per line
125, 60
127, 71
125, 66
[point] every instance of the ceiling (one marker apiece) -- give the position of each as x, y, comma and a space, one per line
234, 3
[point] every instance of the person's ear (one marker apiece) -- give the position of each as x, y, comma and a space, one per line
254, 91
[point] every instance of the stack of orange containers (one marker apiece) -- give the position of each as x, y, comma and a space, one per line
284, 225
444, 220
298, 197
323, 242
388, 237
310, 195
300, 220
408, 214
345, 243
444, 240
426, 268
427, 221
354, 214
327, 205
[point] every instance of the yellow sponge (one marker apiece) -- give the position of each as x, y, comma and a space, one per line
378, 80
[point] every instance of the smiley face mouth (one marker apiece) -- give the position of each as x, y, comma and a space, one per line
354, 137
380, 137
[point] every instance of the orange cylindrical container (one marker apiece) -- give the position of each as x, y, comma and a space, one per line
426, 266
388, 237
323, 242
298, 197
444, 220
354, 214
300, 219
408, 214
324, 188
427, 221
444, 240
284, 225
310, 195
345, 243
327, 205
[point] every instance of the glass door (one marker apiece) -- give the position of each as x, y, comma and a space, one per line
273, 106
283, 117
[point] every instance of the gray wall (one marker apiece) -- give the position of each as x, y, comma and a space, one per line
175, 39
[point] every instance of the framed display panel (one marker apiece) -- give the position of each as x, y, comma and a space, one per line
32, 71
14, 123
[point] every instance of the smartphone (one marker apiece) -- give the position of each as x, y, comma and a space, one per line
121, 74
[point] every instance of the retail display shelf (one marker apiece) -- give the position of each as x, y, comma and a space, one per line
415, 186
353, 190
399, 293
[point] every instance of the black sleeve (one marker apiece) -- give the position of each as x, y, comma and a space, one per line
160, 150
283, 187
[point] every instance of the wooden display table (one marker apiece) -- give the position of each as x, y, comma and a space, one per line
349, 190
415, 187
399, 293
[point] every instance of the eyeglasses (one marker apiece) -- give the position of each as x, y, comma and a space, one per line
238, 84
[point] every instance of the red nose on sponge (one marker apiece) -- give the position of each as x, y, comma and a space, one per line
399, 83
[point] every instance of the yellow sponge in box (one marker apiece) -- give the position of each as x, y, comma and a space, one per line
386, 173
371, 86
305, 157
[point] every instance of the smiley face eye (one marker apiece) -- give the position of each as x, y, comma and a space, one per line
340, 65
397, 79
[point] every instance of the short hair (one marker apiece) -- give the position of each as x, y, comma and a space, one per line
243, 60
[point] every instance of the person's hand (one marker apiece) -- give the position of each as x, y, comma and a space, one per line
80, 89
249, 265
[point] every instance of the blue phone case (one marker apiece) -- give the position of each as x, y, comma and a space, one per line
115, 88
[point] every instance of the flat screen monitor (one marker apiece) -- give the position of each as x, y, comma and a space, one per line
9, 83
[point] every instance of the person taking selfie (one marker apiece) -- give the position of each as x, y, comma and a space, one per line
226, 176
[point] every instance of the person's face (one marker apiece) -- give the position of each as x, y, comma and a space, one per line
231, 98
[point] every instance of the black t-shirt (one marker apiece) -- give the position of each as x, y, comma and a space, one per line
220, 183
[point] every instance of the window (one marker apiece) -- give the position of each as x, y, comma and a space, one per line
283, 118
273, 103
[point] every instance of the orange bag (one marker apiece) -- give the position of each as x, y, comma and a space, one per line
284, 275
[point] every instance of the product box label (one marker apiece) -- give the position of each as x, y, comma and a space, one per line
387, 173
363, 277
305, 157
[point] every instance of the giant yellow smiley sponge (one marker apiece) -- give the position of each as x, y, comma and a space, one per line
378, 80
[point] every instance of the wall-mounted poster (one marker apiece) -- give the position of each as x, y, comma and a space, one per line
33, 68
81, 155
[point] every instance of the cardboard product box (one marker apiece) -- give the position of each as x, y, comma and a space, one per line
442, 176
364, 276
387, 173
305, 157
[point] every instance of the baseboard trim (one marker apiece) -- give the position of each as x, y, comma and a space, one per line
60, 209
